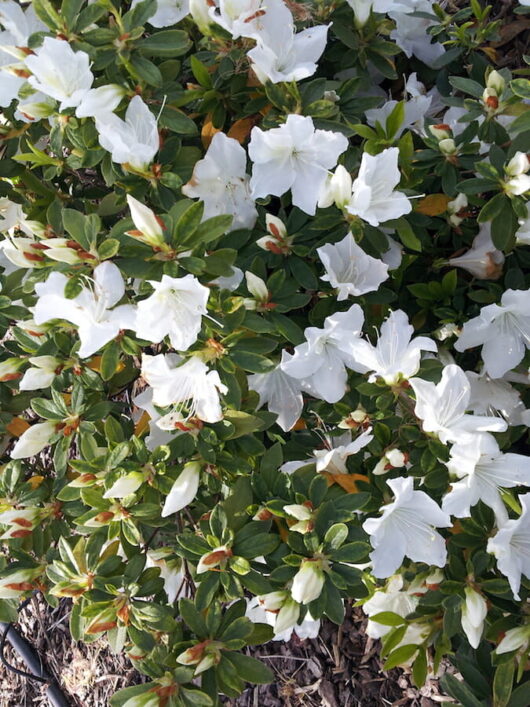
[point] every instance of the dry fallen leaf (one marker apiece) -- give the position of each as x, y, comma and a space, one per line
433, 205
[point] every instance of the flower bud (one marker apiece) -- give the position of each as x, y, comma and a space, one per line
125, 485
257, 287
455, 209
448, 147
337, 189
9, 369
199, 10
495, 82
514, 639
213, 559
12, 585
474, 611
183, 490
148, 226
33, 440
440, 131
491, 99
273, 601
287, 616
308, 582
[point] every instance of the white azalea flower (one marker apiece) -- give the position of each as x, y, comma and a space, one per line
133, 141
483, 471
93, 310
281, 392
190, 384
200, 11
350, 269
240, 18
482, 260
502, 330
156, 437
281, 54
375, 198
33, 440
406, 528
183, 490
392, 598
19, 22
294, 156
442, 407
229, 282
494, 395
170, 570
220, 180
59, 72
167, 12
19, 25
511, 547
522, 234
322, 360
334, 458
41, 374
12, 217
411, 33
283, 617
103, 99
175, 309
395, 355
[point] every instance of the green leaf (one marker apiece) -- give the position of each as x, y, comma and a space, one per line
256, 545
503, 683
250, 669
70, 10
108, 248
466, 86
144, 70
200, 72
46, 12
388, 618
521, 87
193, 618
188, 223
168, 43
178, 122
492, 208
400, 655
419, 669
110, 360
459, 691
521, 124
253, 362
407, 235
47, 409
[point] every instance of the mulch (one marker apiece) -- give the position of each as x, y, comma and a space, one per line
340, 668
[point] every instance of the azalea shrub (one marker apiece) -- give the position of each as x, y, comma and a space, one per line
265, 318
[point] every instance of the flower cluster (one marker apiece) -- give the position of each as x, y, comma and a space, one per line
265, 318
